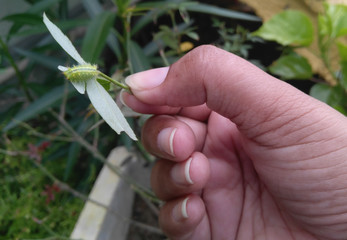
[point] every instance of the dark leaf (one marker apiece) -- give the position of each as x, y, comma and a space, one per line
291, 67
96, 36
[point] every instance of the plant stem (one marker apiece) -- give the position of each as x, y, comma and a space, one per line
34, 132
64, 100
163, 57
119, 84
127, 32
102, 159
96, 131
175, 31
144, 153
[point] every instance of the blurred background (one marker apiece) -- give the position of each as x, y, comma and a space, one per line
53, 144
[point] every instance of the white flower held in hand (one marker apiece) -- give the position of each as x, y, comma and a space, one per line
84, 78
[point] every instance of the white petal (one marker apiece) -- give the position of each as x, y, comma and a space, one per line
63, 41
80, 86
62, 68
108, 109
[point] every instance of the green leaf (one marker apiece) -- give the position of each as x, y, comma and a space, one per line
222, 12
342, 48
292, 67
38, 106
343, 79
167, 36
37, 8
20, 20
8, 113
331, 95
63, 25
113, 43
73, 154
105, 83
321, 92
342, 51
96, 36
165, 5
193, 35
122, 5
137, 59
49, 62
75, 149
288, 28
24, 18
95, 8
161, 7
336, 15
145, 19
153, 47
41, 6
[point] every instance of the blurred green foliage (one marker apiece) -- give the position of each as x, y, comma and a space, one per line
51, 137
31, 205
239, 40
294, 29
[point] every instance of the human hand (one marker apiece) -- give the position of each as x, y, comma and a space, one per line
242, 155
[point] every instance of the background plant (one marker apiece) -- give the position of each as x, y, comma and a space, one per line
294, 30
52, 143
238, 40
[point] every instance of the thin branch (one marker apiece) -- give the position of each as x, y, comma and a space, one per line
94, 151
150, 204
163, 57
34, 132
97, 124
64, 100
96, 132
50, 231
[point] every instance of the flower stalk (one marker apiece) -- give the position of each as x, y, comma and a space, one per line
119, 84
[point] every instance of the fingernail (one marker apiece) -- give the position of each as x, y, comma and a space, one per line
121, 97
187, 171
165, 140
181, 173
148, 79
180, 210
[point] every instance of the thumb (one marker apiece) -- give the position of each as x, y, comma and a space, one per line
255, 101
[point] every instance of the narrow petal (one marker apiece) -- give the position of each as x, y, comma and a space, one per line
108, 109
80, 86
63, 41
62, 68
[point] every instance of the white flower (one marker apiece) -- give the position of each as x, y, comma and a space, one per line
84, 78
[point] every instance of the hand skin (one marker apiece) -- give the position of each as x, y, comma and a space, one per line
242, 155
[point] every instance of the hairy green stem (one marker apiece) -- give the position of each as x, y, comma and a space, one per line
119, 84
